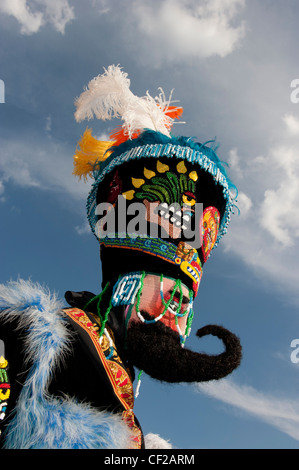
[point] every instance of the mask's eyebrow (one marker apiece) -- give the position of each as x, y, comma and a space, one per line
185, 299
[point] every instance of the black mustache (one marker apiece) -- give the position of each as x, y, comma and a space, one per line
156, 349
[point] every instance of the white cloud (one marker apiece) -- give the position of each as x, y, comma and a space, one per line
16, 168
58, 13
30, 21
45, 165
280, 413
244, 203
292, 123
266, 233
234, 162
279, 212
2, 190
103, 136
190, 28
83, 229
48, 125
34, 14
101, 6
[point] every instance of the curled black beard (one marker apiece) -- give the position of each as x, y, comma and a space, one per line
156, 349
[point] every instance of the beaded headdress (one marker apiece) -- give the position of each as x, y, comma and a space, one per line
178, 188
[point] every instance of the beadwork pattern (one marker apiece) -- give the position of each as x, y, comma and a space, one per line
4, 388
162, 249
125, 289
169, 151
210, 226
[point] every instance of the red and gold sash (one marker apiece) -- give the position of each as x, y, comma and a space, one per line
117, 374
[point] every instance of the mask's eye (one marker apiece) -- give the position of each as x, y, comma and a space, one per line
176, 301
189, 199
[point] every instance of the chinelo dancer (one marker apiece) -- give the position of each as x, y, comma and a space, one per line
158, 206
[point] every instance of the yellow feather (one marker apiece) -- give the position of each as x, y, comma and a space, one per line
89, 153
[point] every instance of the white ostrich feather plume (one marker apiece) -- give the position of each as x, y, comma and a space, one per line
108, 96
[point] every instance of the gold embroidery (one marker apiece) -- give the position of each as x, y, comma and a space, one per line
129, 418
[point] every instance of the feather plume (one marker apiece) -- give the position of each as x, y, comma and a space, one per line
108, 96
105, 96
89, 153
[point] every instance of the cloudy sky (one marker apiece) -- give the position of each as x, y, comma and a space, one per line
233, 65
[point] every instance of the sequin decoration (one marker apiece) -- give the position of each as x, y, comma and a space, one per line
180, 255
125, 290
210, 228
4, 388
168, 152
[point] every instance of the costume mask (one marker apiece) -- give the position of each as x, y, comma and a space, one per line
159, 205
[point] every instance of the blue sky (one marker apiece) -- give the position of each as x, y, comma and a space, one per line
231, 64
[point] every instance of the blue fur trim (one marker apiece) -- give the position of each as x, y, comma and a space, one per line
41, 421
